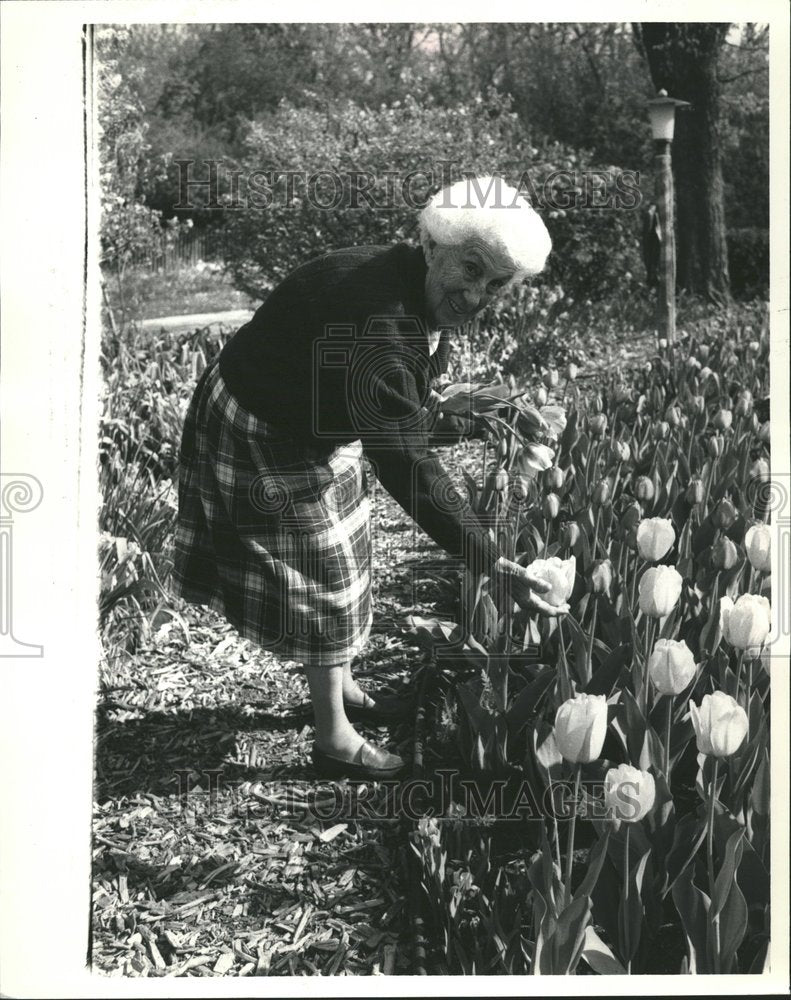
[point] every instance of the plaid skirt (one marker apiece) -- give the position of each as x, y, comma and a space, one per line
271, 533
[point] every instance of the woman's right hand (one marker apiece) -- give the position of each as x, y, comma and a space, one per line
518, 583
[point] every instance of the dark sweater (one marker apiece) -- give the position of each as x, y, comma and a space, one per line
339, 351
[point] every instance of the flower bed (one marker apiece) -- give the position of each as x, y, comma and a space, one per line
611, 812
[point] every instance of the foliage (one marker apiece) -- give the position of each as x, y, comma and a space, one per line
407, 152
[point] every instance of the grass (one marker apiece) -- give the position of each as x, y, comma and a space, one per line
149, 295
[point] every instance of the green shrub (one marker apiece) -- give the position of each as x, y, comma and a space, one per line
596, 249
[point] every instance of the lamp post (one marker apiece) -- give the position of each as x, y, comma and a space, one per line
662, 113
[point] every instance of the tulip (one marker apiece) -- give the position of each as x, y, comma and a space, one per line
659, 590
671, 666
746, 395
521, 487
703, 351
765, 432
501, 481
720, 724
725, 514
550, 507
662, 429
724, 554
746, 624
622, 451
699, 405
673, 416
760, 470
758, 544
705, 373
716, 446
694, 492
754, 346
551, 378
598, 425
559, 573
570, 534
554, 478
629, 793
655, 538
597, 405
644, 488
723, 420
631, 516
541, 396
534, 458
580, 727
601, 493
743, 407
692, 363
571, 371
662, 343
601, 577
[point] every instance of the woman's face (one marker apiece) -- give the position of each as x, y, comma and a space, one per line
462, 279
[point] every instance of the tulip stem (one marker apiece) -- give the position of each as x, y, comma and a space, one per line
709, 481
626, 927
589, 660
649, 633
570, 852
565, 682
667, 738
715, 924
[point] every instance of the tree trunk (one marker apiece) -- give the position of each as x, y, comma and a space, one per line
682, 59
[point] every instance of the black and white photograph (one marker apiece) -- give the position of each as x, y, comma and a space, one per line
396, 438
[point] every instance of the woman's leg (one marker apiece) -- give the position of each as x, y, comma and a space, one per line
334, 733
353, 694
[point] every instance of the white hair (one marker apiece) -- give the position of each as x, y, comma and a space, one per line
488, 209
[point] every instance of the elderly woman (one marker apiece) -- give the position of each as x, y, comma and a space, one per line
274, 527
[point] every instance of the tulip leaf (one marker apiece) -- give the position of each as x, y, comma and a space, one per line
598, 955
692, 907
733, 925
689, 834
759, 796
609, 670
569, 936
634, 726
727, 874
596, 858
524, 704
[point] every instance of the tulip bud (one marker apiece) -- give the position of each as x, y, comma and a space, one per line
754, 347
501, 481
720, 724
760, 470
520, 489
673, 416
629, 794
551, 378
580, 727
758, 544
716, 446
695, 491
601, 493
570, 534
662, 344
597, 405
692, 363
541, 396
571, 371
601, 577
747, 395
502, 448
644, 488
671, 666
631, 516
550, 506
622, 451
724, 554
765, 432
703, 351
723, 419
699, 405
746, 624
554, 478
657, 396
724, 514
743, 407
705, 373
655, 538
662, 430
659, 589
598, 425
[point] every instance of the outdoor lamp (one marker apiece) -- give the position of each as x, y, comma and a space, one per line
662, 113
